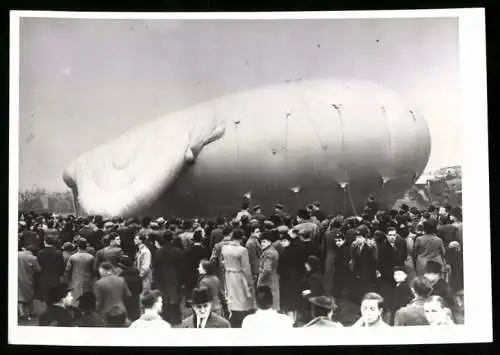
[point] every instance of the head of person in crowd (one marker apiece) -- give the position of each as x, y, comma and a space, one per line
205, 267
87, 302
237, 235
399, 274
109, 227
456, 214
256, 232
140, 239
285, 240
106, 269
339, 239
323, 306
379, 236
257, 209
85, 221
116, 317
226, 231
312, 264
100, 224
421, 287
265, 240
145, 221
68, 247
152, 301
201, 302
235, 224
433, 271
430, 226
403, 230
444, 219
310, 208
415, 213
50, 240
114, 240
372, 307
276, 220
302, 215
392, 235
60, 295
264, 297
436, 312
337, 222
278, 208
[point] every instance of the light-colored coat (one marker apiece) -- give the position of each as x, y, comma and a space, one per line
27, 267
237, 277
79, 273
150, 320
268, 273
268, 319
143, 264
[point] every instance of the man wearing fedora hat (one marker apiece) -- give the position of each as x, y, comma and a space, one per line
203, 317
322, 311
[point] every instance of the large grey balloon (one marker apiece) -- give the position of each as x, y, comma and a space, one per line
336, 141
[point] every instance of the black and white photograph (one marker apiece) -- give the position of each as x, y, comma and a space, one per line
260, 172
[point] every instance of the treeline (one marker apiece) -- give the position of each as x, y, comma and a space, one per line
39, 200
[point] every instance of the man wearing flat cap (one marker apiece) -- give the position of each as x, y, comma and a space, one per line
203, 317
322, 312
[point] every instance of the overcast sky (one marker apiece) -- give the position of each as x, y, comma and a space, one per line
84, 82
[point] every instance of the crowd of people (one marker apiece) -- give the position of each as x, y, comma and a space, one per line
399, 267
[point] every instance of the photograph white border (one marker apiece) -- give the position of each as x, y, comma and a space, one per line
477, 259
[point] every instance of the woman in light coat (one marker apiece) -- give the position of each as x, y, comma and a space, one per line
238, 278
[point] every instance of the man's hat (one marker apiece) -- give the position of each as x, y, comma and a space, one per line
57, 292
278, 206
324, 302
404, 207
201, 295
160, 220
256, 207
433, 267
109, 224
317, 203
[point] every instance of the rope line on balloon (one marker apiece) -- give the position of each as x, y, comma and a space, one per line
287, 115
389, 136
415, 139
346, 188
318, 137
